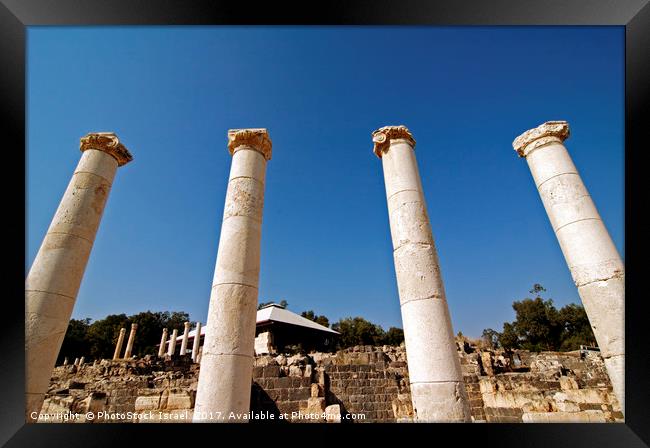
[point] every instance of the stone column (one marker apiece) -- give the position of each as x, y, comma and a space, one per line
76, 362
120, 341
197, 342
129, 343
592, 257
172, 342
163, 340
437, 387
227, 359
186, 336
65, 361
82, 360
55, 276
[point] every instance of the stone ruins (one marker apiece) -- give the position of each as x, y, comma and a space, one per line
363, 384
430, 379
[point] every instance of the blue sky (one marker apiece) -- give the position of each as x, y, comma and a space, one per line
171, 94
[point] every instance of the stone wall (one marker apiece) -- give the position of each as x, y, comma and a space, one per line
361, 384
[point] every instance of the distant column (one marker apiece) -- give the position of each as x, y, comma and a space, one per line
228, 350
65, 361
120, 341
129, 344
76, 362
197, 342
186, 336
55, 276
82, 360
437, 387
172, 342
163, 341
590, 253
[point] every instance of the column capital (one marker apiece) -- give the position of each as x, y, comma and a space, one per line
187, 324
382, 137
107, 142
551, 131
254, 138
134, 326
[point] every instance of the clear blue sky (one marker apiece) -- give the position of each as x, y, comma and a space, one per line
171, 94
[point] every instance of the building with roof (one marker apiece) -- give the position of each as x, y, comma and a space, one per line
279, 330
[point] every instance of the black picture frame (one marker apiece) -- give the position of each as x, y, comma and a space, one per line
16, 15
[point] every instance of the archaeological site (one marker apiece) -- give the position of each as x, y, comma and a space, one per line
235, 367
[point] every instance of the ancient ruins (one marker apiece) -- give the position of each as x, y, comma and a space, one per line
433, 378
594, 262
55, 276
363, 384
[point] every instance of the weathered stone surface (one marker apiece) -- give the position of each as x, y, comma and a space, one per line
434, 366
228, 350
55, 276
333, 413
592, 257
378, 391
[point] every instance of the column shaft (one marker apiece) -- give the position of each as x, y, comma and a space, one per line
594, 262
172, 342
227, 359
120, 341
129, 344
53, 281
163, 340
186, 335
197, 342
437, 387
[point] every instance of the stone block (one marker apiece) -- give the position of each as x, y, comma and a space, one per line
271, 371
568, 383
179, 401
147, 403
333, 413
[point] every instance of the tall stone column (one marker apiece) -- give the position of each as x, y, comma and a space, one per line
120, 341
437, 387
129, 343
53, 281
186, 336
172, 342
592, 257
197, 342
227, 359
163, 340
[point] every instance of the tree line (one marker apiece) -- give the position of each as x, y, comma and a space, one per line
96, 340
540, 326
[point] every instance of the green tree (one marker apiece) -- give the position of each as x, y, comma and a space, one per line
491, 338
322, 320
537, 324
394, 336
358, 331
75, 342
576, 328
540, 326
102, 335
508, 338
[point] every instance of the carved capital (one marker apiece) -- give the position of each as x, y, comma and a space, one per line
382, 137
107, 142
256, 139
551, 131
